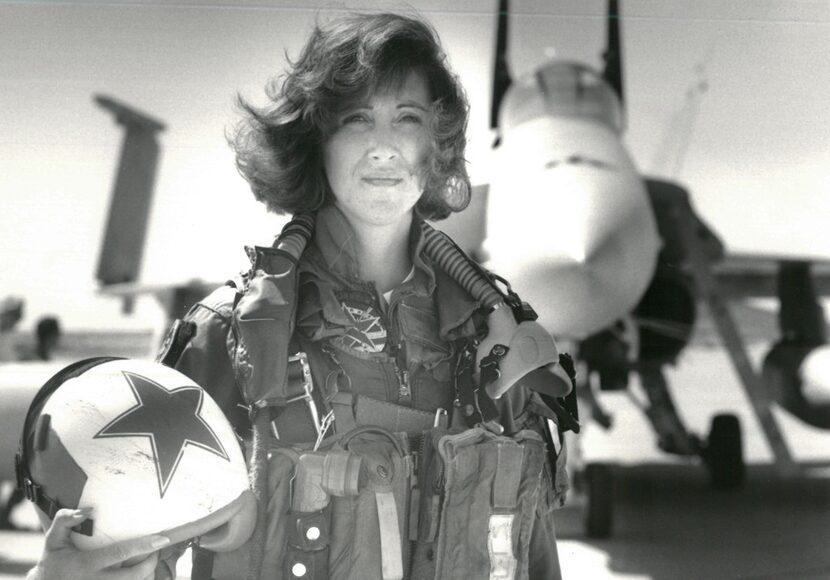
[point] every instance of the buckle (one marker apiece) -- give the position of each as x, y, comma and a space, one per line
31, 490
308, 386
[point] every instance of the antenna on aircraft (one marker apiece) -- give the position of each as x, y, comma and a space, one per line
612, 56
132, 193
501, 72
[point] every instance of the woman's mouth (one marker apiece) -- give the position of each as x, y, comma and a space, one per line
382, 181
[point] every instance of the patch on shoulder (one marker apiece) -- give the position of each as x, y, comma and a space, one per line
367, 334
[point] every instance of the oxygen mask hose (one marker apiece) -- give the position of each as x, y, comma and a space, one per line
295, 235
516, 349
452, 259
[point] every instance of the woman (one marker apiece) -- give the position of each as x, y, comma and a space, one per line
366, 131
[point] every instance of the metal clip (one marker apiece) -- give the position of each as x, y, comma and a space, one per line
328, 419
308, 388
31, 490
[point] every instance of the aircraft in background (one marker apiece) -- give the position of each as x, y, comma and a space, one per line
615, 263
618, 262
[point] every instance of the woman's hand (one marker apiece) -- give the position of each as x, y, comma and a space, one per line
62, 560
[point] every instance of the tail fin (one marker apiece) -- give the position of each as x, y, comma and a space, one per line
613, 72
132, 193
501, 73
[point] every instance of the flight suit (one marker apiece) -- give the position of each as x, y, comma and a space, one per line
393, 363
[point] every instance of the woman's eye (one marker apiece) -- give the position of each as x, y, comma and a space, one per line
355, 118
410, 118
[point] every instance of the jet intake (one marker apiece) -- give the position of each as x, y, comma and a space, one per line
665, 318
798, 378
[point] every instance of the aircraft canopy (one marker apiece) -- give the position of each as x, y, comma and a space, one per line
562, 89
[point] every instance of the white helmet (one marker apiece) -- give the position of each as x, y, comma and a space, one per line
143, 446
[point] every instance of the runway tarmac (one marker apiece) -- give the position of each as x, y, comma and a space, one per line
668, 523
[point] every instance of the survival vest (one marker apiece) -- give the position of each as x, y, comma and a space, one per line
388, 491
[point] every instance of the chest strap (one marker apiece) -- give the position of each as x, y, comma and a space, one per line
351, 410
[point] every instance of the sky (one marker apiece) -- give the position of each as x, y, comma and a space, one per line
730, 98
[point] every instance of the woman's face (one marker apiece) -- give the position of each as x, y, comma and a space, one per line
374, 159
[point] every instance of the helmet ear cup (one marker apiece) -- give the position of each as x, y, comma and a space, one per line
236, 531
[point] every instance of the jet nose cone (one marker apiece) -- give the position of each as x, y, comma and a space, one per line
572, 230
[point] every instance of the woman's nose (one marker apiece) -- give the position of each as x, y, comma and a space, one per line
383, 146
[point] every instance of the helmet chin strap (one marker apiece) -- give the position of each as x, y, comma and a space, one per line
36, 429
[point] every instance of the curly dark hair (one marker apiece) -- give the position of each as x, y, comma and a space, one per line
279, 146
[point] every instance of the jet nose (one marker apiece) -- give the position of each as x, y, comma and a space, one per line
570, 224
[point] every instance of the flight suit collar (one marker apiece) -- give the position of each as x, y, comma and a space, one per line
336, 241
332, 261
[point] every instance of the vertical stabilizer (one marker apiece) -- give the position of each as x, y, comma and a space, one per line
132, 193
501, 73
613, 72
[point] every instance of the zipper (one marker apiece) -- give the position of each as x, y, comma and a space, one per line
397, 353
404, 389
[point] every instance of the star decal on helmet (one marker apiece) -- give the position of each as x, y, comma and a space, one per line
169, 419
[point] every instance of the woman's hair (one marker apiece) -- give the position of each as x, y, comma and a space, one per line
279, 146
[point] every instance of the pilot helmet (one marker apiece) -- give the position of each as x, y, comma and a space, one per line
143, 446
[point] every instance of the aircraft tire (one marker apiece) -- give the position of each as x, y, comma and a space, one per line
599, 513
724, 452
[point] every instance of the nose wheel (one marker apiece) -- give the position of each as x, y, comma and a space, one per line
723, 452
599, 491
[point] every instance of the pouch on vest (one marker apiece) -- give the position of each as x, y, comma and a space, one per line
488, 488
361, 534
369, 530
231, 565
264, 322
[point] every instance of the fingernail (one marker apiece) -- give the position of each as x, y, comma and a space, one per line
84, 512
159, 541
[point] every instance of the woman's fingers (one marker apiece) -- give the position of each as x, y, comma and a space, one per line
57, 536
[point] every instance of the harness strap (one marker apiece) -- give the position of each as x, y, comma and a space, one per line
202, 564
508, 475
390, 536
344, 420
396, 418
509, 458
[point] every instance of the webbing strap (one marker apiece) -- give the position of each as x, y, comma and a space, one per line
202, 564
396, 418
508, 475
341, 404
351, 410
390, 536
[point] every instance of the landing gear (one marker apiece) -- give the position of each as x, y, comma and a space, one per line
599, 488
723, 453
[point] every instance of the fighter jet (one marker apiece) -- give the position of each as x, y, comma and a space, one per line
618, 263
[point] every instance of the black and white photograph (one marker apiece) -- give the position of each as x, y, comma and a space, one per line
414, 290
